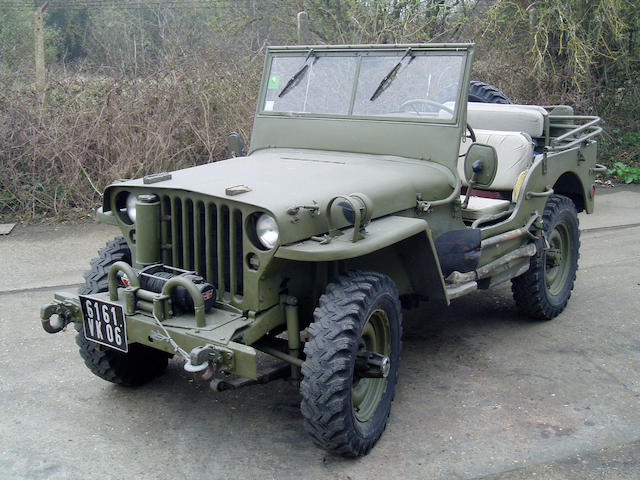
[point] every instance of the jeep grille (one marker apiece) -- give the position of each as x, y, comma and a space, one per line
206, 237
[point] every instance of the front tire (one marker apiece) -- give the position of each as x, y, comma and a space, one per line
544, 290
141, 364
344, 411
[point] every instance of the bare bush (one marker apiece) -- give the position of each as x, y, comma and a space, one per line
90, 128
160, 85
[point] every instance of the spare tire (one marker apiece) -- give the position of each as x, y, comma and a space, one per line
482, 92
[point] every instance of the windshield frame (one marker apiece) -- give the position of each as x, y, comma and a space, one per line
359, 52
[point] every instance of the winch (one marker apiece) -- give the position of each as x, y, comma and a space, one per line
154, 277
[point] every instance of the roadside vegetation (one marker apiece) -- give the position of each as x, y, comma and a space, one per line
138, 87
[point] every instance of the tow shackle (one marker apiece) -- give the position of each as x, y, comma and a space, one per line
64, 316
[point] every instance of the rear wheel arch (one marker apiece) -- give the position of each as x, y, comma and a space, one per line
570, 185
543, 291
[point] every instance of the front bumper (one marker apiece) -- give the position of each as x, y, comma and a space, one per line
190, 334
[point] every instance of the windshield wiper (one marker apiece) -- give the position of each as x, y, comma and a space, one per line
390, 77
299, 75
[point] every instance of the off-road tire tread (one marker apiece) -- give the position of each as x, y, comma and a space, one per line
327, 370
529, 289
141, 363
481, 92
95, 279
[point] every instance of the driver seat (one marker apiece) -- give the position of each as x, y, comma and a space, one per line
515, 156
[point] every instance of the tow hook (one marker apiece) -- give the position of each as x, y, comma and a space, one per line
65, 312
204, 361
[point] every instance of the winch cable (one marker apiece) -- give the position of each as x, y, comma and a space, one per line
166, 337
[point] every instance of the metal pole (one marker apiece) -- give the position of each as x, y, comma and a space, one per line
304, 35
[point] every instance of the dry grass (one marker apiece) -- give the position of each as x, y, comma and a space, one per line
91, 128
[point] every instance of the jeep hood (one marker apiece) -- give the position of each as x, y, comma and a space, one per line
277, 179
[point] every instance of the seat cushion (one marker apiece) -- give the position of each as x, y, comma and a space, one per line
504, 117
482, 207
507, 117
515, 154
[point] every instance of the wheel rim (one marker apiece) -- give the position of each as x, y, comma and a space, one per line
557, 259
367, 392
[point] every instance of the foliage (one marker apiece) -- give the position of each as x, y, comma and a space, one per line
626, 173
578, 44
17, 39
137, 87
73, 26
626, 149
384, 21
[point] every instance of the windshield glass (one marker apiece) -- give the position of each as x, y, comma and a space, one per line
325, 87
400, 85
423, 86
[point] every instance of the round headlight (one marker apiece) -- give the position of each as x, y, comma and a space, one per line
267, 230
131, 207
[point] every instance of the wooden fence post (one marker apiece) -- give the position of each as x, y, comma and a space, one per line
39, 37
304, 35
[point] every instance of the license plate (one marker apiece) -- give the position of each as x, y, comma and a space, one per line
104, 323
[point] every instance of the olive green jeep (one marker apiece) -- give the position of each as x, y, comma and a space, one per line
371, 181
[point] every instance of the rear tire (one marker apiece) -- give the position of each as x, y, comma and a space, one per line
544, 290
343, 411
141, 364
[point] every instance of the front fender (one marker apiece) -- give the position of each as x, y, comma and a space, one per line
414, 255
380, 233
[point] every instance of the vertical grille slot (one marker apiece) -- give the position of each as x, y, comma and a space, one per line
199, 259
211, 243
224, 270
237, 253
176, 229
187, 235
165, 230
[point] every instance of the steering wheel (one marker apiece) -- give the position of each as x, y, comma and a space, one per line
413, 104
418, 104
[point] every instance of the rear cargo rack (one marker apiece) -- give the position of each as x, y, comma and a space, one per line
575, 132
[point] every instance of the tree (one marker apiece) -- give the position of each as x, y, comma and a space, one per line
587, 45
17, 39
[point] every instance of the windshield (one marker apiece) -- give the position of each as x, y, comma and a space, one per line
400, 84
